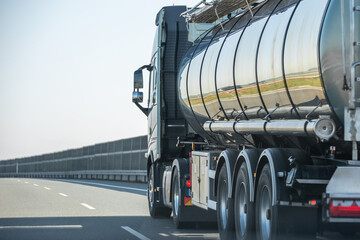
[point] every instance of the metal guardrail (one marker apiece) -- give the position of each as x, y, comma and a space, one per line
121, 160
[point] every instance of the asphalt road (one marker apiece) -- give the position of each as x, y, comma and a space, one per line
71, 209
83, 209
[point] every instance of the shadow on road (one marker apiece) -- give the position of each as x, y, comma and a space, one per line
97, 228
114, 228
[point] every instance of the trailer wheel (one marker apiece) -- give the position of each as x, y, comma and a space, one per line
244, 210
155, 211
177, 201
266, 224
224, 207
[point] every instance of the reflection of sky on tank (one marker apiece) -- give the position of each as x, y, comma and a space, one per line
245, 56
271, 46
225, 66
208, 70
182, 80
301, 55
302, 39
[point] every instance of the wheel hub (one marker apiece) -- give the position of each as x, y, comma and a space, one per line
268, 214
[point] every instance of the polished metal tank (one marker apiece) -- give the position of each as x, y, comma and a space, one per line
282, 60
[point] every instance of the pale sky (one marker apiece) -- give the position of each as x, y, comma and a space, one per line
66, 70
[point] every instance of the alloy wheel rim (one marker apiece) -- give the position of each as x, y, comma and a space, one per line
265, 206
241, 211
151, 189
176, 198
223, 204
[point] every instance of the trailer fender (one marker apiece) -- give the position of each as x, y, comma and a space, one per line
250, 157
227, 157
278, 162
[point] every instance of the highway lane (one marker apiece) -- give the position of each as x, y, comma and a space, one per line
72, 209
86, 209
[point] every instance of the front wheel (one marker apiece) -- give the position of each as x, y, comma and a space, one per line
155, 211
225, 207
177, 207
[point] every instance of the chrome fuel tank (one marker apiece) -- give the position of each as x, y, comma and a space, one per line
284, 57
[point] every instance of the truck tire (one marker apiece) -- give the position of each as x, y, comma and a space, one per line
224, 207
155, 211
244, 210
177, 206
266, 216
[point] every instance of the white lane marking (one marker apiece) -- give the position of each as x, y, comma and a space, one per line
107, 185
35, 185
194, 235
18, 180
47, 188
41, 227
88, 206
26, 182
164, 234
63, 194
135, 233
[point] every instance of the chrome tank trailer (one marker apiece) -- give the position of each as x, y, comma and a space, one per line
277, 69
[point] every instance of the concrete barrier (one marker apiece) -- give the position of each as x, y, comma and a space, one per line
121, 160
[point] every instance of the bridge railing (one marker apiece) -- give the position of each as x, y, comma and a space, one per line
122, 160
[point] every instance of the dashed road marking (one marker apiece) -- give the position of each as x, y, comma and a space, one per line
63, 194
164, 234
47, 188
26, 182
42, 227
135, 233
87, 206
35, 185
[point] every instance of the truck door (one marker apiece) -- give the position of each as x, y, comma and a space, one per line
152, 102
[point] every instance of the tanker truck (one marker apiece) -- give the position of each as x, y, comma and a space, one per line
254, 117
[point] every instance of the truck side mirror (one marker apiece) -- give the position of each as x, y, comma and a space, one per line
138, 79
137, 97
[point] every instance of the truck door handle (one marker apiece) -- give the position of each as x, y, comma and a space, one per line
154, 97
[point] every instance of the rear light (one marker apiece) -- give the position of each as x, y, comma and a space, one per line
344, 208
312, 202
188, 183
